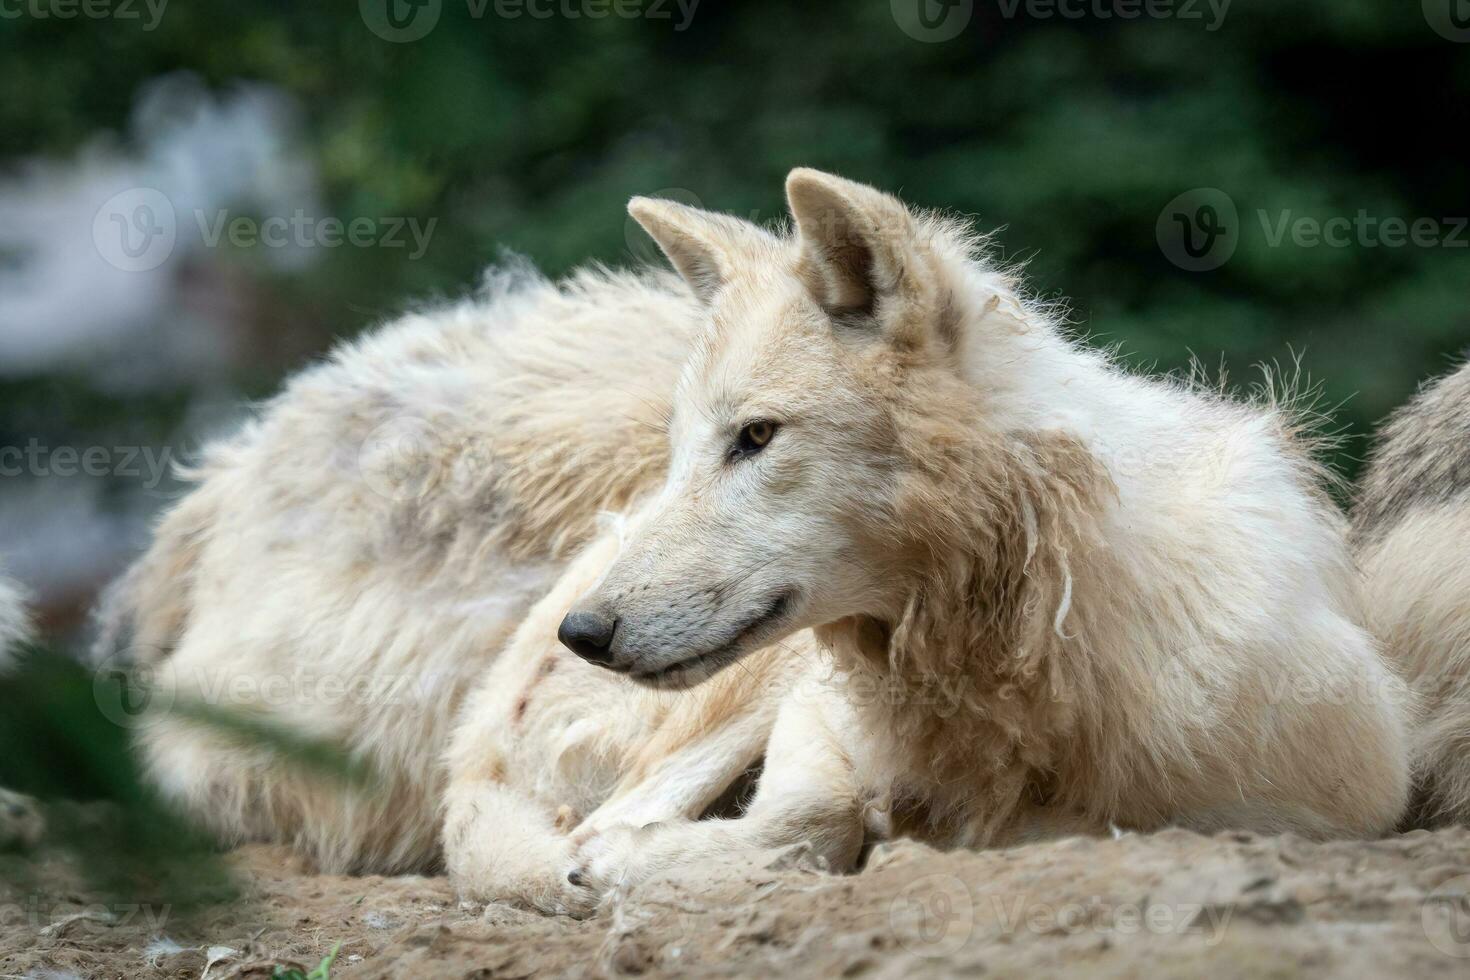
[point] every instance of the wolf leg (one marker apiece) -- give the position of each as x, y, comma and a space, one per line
501, 844
713, 735
807, 793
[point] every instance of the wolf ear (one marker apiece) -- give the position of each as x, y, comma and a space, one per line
854, 239
702, 246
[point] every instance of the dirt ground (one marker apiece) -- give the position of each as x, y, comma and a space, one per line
1162, 905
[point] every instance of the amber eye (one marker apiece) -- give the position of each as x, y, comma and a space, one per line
754, 437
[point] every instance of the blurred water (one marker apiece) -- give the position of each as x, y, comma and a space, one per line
80, 320
65, 302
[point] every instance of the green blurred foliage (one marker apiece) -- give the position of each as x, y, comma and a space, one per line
125, 841
67, 732
1069, 134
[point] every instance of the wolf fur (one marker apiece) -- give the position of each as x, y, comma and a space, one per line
355, 565
1141, 590
983, 586
1411, 531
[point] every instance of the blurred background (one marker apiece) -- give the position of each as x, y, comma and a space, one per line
198, 197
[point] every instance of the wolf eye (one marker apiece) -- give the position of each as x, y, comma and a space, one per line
754, 437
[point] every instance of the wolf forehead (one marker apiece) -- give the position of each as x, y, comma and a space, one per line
776, 356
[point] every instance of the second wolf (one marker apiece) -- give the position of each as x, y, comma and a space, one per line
1411, 531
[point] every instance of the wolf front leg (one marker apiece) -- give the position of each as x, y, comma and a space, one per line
501, 844
808, 792
709, 739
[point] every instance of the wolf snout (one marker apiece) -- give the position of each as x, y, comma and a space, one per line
589, 634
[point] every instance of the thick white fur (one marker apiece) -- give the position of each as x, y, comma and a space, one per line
1420, 583
1131, 597
355, 564
1411, 527
1140, 591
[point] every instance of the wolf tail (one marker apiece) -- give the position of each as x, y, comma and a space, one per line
142, 615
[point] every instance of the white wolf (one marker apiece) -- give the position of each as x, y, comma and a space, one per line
978, 584
1411, 531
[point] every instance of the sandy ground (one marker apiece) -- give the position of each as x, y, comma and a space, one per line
1163, 905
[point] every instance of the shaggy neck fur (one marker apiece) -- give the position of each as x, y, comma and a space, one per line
988, 630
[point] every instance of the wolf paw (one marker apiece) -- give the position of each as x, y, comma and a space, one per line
609, 858
549, 893
21, 825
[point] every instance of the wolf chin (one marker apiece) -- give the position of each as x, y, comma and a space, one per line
840, 501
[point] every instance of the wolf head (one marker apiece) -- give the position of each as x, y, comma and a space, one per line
820, 433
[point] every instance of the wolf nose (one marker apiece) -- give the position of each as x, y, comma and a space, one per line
588, 635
